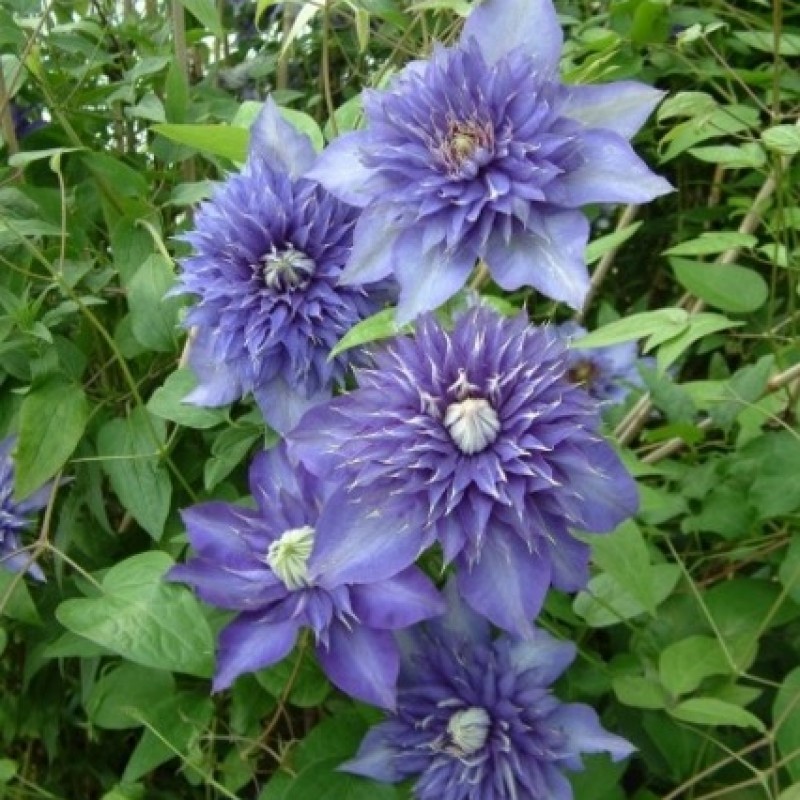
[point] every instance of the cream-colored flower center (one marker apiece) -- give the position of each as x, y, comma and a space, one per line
468, 730
472, 424
288, 556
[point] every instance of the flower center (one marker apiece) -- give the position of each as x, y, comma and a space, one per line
466, 147
584, 373
472, 424
288, 556
468, 730
287, 269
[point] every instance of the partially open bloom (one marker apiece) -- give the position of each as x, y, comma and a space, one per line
477, 439
476, 719
261, 563
607, 373
481, 152
16, 516
270, 247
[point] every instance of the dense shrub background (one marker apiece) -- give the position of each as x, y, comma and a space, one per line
115, 118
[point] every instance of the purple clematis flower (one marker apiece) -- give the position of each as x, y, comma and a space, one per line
477, 439
481, 152
270, 247
476, 719
607, 373
15, 517
262, 564
26, 120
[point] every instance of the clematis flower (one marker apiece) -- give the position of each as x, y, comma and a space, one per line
477, 439
607, 373
481, 152
476, 719
270, 247
261, 563
26, 119
15, 516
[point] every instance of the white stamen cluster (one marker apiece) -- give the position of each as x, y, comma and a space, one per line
288, 556
472, 424
468, 730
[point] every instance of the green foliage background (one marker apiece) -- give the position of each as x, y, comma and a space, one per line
689, 632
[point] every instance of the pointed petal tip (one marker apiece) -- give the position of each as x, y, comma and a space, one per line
278, 143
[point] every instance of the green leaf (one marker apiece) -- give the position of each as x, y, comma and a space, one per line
277, 786
790, 793
113, 171
10, 32
725, 286
300, 25
623, 554
70, 645
700, 326
788, 43
599, 779
379, 326
684, 665
310, 686
725, 511
783, 139
227, 452
154, 318
149, 65
53, 418
668, 396
206, 13
739, 608
174, 724
712, 243
743, 389
786, 719
638, 692
597, 248
227, 141
29, 156
322, 781
789, 570
8, 769
686, 104
189, 194
724, 120
775, 459
18, 603
129, 449
143, 618
710, 711
149, 107
349, 117
176, 88
167, 402
125, 791
748, 156
131, 244
607, 602
124, 690
262, 6
665, 321
336, 737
